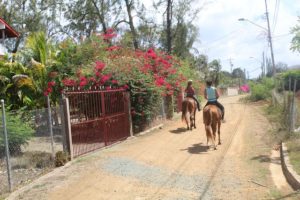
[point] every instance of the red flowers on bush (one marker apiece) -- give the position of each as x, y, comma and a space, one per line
49, 88
109, 34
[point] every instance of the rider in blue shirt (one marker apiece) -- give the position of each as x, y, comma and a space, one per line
212, 95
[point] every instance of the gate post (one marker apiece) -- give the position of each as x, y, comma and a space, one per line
68, 132
129, 112
63, 124
8, 165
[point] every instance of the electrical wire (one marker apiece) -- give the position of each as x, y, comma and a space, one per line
276, 11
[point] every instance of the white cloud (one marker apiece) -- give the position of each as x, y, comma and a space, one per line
222, 36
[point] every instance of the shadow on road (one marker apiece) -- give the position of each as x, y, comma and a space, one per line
179, 130
196, 149
262, 158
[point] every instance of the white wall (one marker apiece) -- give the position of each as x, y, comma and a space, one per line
2, 50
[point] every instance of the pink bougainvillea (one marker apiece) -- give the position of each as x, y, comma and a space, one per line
110, 33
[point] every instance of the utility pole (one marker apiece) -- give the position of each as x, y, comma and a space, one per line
270, 40
231, 64
263, 65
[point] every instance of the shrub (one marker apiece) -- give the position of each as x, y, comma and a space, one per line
294, 75
18, 131
261, 90
61, 158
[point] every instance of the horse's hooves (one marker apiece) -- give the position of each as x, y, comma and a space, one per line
215, 148
219, 143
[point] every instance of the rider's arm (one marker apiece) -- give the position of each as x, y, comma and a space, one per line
217, 94
205, 94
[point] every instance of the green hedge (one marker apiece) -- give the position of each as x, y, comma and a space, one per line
18, 131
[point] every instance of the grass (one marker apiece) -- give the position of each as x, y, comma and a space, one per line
293, 145
280, 133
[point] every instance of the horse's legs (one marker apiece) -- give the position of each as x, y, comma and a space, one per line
219, 131
214, 129
195, 119
209, 134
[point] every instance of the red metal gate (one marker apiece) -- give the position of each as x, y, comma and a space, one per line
98, 118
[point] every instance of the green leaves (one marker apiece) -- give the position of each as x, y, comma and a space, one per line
295, 43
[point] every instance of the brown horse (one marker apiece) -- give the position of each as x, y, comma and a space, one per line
211, 118
189, 112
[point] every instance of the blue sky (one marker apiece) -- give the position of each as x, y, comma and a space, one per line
222, 36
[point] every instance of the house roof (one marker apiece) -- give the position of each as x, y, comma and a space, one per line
9, 31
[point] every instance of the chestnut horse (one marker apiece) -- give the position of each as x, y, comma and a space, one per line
189, 112
211, 118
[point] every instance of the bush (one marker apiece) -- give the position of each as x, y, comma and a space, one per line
294, 75
61, 158
261, 90
18, 131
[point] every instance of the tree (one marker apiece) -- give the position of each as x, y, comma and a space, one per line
179, 35
238, 73
215, 68
201, 63
129, 7
88, 16
30, 16
295, 43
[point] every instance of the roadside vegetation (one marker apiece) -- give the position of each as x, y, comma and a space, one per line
277, 109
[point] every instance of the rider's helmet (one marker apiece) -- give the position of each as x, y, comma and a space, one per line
190, 81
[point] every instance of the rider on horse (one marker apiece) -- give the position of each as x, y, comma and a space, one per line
190, 92
212, 95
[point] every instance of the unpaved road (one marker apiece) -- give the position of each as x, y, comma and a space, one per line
174, 164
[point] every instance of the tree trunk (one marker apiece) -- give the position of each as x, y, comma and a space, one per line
132, 28
169, 106
100, 14
169, 26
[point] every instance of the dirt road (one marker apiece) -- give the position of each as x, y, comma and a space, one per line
173, 164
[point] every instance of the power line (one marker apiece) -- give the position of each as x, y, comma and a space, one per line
275, 17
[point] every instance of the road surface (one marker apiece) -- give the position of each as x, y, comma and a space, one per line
174, 164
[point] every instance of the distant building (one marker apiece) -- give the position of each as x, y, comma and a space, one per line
6, 31
3, 50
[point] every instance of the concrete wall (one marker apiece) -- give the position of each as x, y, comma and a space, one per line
2, 50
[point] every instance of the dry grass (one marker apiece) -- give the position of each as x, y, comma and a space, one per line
293, 145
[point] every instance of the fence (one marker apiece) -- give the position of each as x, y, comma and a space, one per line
32, 145
35, 136
290, 103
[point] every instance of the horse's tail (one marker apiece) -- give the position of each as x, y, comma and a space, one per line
207, 119
207, 116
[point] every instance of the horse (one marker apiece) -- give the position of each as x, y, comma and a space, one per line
189, 112
211, 118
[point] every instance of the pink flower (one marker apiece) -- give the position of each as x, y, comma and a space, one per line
168, 86
160, 81
98, 74
46, 93
109, 34
68, 82
113, 48
51, 83
125, 87
104, 78
114, 82
151, 53
99, 66
83, 81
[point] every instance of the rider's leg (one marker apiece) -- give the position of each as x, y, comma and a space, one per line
198, 104
221, 108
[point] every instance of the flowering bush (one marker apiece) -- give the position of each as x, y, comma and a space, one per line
148, 75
